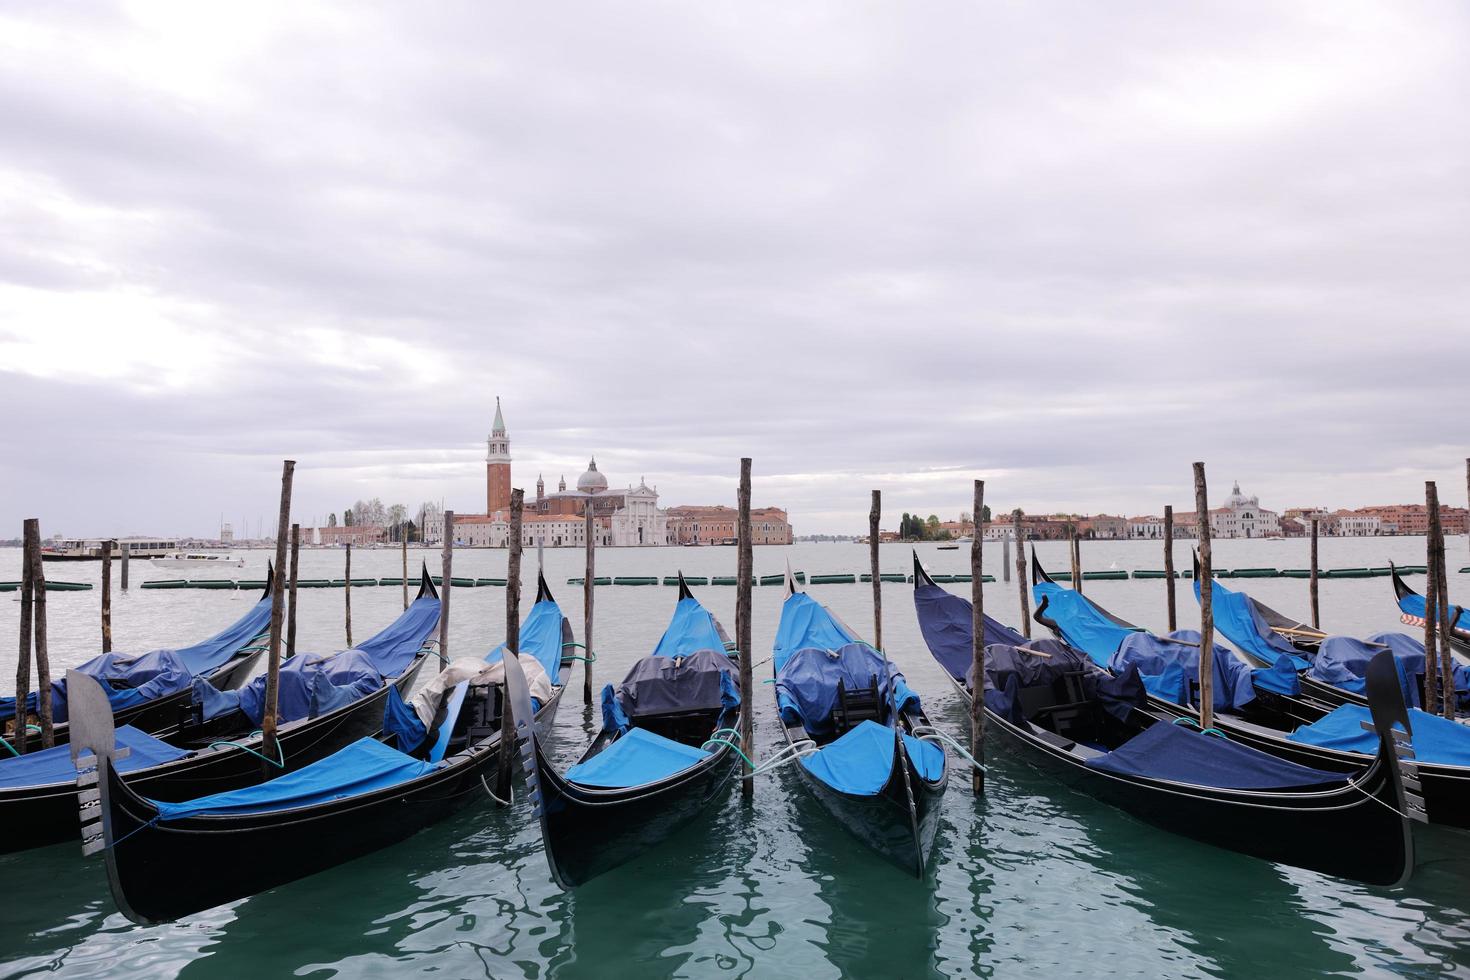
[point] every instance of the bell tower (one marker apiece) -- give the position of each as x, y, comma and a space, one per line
497, 465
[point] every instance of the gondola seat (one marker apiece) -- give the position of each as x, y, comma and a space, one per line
855, 706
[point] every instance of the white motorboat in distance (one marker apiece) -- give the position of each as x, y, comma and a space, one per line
198, 560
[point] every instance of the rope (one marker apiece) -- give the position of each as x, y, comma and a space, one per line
136, 830
721, 741
928, 733
12, 748
280, 752
497, 799
786, 756
591, 657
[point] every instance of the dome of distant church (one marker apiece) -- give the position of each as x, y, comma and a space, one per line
592, 481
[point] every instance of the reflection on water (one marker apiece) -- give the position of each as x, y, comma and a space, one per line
1032, 879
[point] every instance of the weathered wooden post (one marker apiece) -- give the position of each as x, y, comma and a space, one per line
1436, 696
1076, 552
107, 597
512, 641
30, 541
347, 594
1021, 572
445, 586
875, 513
43, 659
590, 531
127, 550
1447, 615
1005, 559
273, 663
403, 538
1169, 566
1206, 610
977, 648
744, 569
1312, 582
291, 606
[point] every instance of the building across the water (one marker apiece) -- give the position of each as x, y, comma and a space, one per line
715, 525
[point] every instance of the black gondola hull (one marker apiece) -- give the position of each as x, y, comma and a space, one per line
589, 832
143, 869
38, 816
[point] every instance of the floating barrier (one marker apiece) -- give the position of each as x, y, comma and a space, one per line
886, 577
1416, 570
1110, 575
688, 580
51, 586
843, 579
314, 583
479, 582
211, 583
1152, 573
167, 583
596, 580
1348, 573
959, 577
635, 580
722, 580
254, 583
1256, 573
391, 581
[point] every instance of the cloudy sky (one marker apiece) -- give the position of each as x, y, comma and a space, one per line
1070, 247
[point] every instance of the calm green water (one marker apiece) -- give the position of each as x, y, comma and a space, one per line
1031, 879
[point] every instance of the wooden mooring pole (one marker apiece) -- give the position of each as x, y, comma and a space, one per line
43, 658
107, 597
875, 514
512, 641
30, 541
446, 586
1433, 600
1017, 532
403, 538
590, 528
347, 594
1206, 610
1312, 582
1447, 615
977, 646
268, 745
1075, 547
1005, 559
291, 605
744, 570
1169, 567
127, 549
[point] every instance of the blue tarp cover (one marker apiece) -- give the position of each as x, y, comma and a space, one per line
311, 686
402, 723
1082, 624
1342, 661
1437, 740
1238, 621
53, 765
946, 622
691, 629
636, 758
1183, 755
132, 680
806, 687
1169, 670
858, 763
541, 638
392, 650
1414, 606
656, 685
806, 624
362, 767
1009, 669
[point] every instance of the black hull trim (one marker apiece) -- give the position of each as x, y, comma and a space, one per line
143, 869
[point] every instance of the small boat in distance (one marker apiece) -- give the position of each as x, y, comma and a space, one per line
197, 560
949, 547
90, 549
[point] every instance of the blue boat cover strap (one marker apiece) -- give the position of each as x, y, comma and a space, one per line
363, 767
1436, 740
659, 685
691, 630
1082, 624
636, 758
1009, 668
1183, 755
947, 624
50, 766
806, 625
541, 637
859, 763
1169, 667
806, 685
1238, 620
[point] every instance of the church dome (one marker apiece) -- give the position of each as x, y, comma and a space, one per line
592, 481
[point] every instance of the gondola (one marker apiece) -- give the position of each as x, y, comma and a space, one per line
163, 859
665, 751
325, 704
1411, 613
1095, 731
152, 691
863, 739
1169, 664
